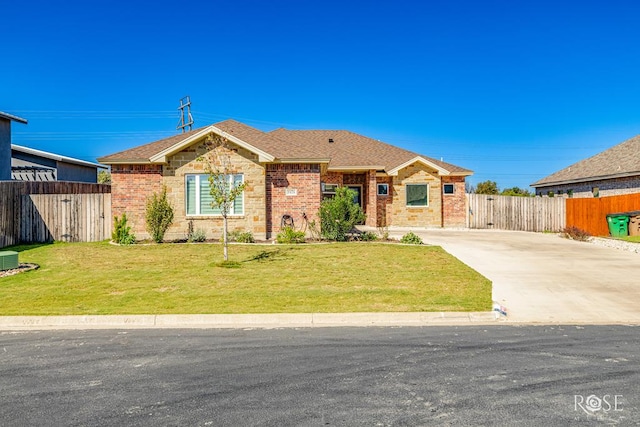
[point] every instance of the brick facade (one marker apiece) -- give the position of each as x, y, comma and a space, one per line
294, 190
607, 187
454, 206
274, 190
131, 185
384, 203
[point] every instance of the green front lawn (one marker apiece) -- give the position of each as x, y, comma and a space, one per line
99, 278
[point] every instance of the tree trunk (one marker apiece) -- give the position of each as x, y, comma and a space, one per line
224, 239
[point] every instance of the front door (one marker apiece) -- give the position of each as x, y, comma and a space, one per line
358, 197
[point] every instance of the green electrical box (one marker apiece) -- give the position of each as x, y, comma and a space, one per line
8, 260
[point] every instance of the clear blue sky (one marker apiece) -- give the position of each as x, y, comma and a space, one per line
513, 90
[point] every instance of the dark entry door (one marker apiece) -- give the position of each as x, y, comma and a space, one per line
358, 197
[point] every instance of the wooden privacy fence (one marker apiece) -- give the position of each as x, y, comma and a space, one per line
65, 217
590, 215
58, 220
516, 213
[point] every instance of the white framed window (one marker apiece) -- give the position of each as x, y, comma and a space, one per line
383, 189
448, 189
198, 195
417, 195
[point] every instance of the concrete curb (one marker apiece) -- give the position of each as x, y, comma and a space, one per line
241, 321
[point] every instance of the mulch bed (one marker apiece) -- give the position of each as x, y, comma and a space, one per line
22, 268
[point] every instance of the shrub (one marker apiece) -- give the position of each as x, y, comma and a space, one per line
122, 231
411, 239
195, 235
339, 215
368, 236
159, 215
575, 233
289, 235
384, 232
241, 237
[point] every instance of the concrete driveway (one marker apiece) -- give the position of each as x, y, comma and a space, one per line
545, 278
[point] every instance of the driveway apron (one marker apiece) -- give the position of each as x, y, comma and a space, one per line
548, 279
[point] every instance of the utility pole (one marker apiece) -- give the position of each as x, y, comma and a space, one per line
186, 120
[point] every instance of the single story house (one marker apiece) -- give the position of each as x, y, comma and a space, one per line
28, 164
610, 173
286, 173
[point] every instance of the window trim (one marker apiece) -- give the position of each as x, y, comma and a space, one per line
198, 179
406, 195
382, 184
453, 189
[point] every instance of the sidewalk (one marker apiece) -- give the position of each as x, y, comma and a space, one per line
241, 321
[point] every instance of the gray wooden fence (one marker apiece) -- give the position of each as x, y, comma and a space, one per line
45, 219
65, 217
517, 213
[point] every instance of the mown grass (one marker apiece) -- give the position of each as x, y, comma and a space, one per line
99, 278
633, 239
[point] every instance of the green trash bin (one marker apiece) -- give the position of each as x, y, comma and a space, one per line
618, 224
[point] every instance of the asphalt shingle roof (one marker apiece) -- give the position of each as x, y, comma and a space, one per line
348, 149
143, 153
620, 160
352, 149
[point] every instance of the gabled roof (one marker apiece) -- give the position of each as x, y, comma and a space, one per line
619, 161
347, 151
56, 157
350, 150
8, 116
143, 153
266, 146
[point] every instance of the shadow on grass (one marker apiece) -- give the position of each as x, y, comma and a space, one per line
26, 247
269, 255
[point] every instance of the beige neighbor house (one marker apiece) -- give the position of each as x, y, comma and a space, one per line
612, 172
285, 173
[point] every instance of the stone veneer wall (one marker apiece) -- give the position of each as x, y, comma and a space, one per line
131, 185
291, 189
241, 161
454, 206
428, 216
608, 187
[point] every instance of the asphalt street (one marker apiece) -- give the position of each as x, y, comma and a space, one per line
405, 376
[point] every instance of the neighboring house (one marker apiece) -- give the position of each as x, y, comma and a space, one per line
286, 173
612, 172
5, 143
28, 164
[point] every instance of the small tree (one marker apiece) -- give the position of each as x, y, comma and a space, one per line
159, 215
516, 191
104, 177
340, 214
222, 189
487, 187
